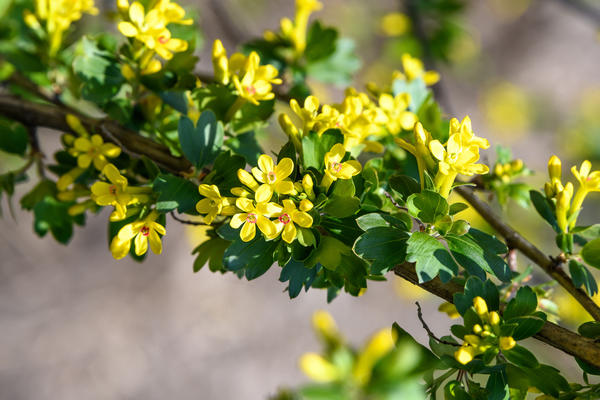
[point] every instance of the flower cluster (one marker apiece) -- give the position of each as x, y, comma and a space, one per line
149, 27
506, 172
459, 155
486, 334
360, 118
568, 202
58, 16
253, 82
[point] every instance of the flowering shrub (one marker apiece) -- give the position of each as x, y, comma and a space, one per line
362, 188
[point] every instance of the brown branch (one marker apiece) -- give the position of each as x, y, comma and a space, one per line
552, 334
428, 330
53, 116
514, 240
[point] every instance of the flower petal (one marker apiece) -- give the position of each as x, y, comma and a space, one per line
289, 233
284, 168
264, 193
265, 163
266, 226
302, 219
245, 204
248, 232
237, 220
155, 242
141, 244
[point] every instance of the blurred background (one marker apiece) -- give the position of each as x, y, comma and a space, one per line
76, 324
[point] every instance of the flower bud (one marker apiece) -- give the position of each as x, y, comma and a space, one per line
464, 355
480, 306
563, 203
554, 168
507, 343
494, 318
220, 63
477, 329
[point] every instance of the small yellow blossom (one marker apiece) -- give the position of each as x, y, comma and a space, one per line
254, 83
480, 306
449, 309
274, 178
563, 205
213, 204
336, 169
397, 116
381, 344
318, 368
59, 15
94, 150
465, 354
507, 343
287, 219
588, 182
395, 24
414, 69
143, 231
68, 178
255, 213
113, 193
295, 31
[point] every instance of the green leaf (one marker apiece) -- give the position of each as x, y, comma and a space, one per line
43, 189
521, 357
404, 185
252, 116
329, 253
246, 146
591, 253
431, 258
201, 144
455, 208
384, 246
52, 215
488, 242
224, 171
497, 386
320, 42
373, 220
547, 379
476, 287
590, 330
339, 68
315, 146
528, 325
587, 368
544, 208
427, 206
476, 259
417, 90
581, 276
524, 303
211, 251
342, 207
175, 193
13, 137
252, 258
298, 276
215, 97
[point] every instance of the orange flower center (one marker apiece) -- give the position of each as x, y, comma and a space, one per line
285, 219
251, 218
335, 166
145, 230
112, 189
251, 90
162, 40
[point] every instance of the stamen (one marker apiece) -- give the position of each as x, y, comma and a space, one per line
145, 230
284, 219
335, 166
251, 218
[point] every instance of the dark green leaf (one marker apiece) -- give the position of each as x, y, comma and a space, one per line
320, 42
590, 329
247, 146
315, 146
252, 258
521, 357
52, 215
201, 144
44, 188
298, 276
474, 257
384, 246
524, 303
175, 193
404, 185
427, 206
543, 208
455, 208
497, 386
475, 287
581, 276
212, 251
431, 258
488, 242
528, 325
373, 220
13, 137
591, 253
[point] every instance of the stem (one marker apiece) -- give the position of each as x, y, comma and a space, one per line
514, 240
239, 102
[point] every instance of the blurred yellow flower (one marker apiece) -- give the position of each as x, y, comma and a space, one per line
395, 24
508, 109
94, 150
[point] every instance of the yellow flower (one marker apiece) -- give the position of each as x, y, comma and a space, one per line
395, 24
396, 115
357, 119
420, 150
308, 114
68, 178
381, 343
213, 204
563, 205
325, 326
553, 187
274, 178
220, 62
295, 31
254, 81
480, 306
318, 368
113, 193
59, 14
588, 182
414, 69
287, 219
459, 156
336, 169
465, 354
94, 150
255, 214
150, 29
144, 231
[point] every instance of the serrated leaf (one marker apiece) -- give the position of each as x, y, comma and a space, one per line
581, 276
431, 258
477, 260
201, 143
175, 193
591, 253
298, 276
427, 206
253, 258
211, 251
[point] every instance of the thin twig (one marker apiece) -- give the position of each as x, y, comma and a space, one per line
185, 221
394, 202
429, 331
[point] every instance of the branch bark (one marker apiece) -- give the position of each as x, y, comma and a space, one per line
514, 240
53, 116
552, 334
